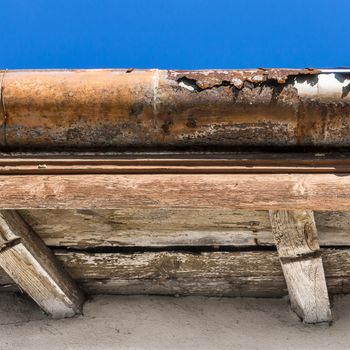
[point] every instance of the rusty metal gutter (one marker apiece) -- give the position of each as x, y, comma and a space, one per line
153, 109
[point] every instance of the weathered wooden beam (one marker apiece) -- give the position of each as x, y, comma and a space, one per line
299, 252
33, 267
236, 191
15, 163
237, 273
163, 227
175, 163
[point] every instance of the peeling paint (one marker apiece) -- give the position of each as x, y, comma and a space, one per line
329, 86
210, 79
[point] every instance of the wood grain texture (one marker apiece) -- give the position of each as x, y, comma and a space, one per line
236, 191
43, 168
248, 273
33, 267
298, 249
15, 163
163, 227
160, 227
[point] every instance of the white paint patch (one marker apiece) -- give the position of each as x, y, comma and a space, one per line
329, 86
335, 70
186, 86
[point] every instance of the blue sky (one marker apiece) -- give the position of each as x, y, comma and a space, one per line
178, 34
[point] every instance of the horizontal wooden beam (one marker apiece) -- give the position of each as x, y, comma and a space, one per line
238, 273
299, 252
236, 191
33, 267
175, 163
164, 227
55, 169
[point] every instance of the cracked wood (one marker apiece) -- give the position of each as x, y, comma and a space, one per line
238, 273
32, 266
164, 227
298, 249
236, 191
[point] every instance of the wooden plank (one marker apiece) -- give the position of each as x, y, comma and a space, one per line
164, 227
299, 252
240, 191
219, 163
186, 163
238, 273
215, 274
157, 227
55, 169
241, 273
131, 157
33, 267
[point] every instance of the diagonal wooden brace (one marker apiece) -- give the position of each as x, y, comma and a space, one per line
28, 261
295, 235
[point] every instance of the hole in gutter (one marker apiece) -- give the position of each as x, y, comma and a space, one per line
189, 84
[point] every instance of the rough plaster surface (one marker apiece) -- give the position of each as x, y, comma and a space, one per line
112, 322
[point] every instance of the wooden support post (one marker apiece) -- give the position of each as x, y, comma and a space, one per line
299, 252
33, 267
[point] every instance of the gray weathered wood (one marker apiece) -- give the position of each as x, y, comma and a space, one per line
299, 252
232, 274
34, 268
162, 227
149, 227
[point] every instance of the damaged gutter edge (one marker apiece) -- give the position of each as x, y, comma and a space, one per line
214, 78
325, 83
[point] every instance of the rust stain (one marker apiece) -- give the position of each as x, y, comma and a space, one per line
152, 109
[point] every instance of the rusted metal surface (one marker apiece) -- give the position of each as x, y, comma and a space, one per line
153, 109
237, 78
